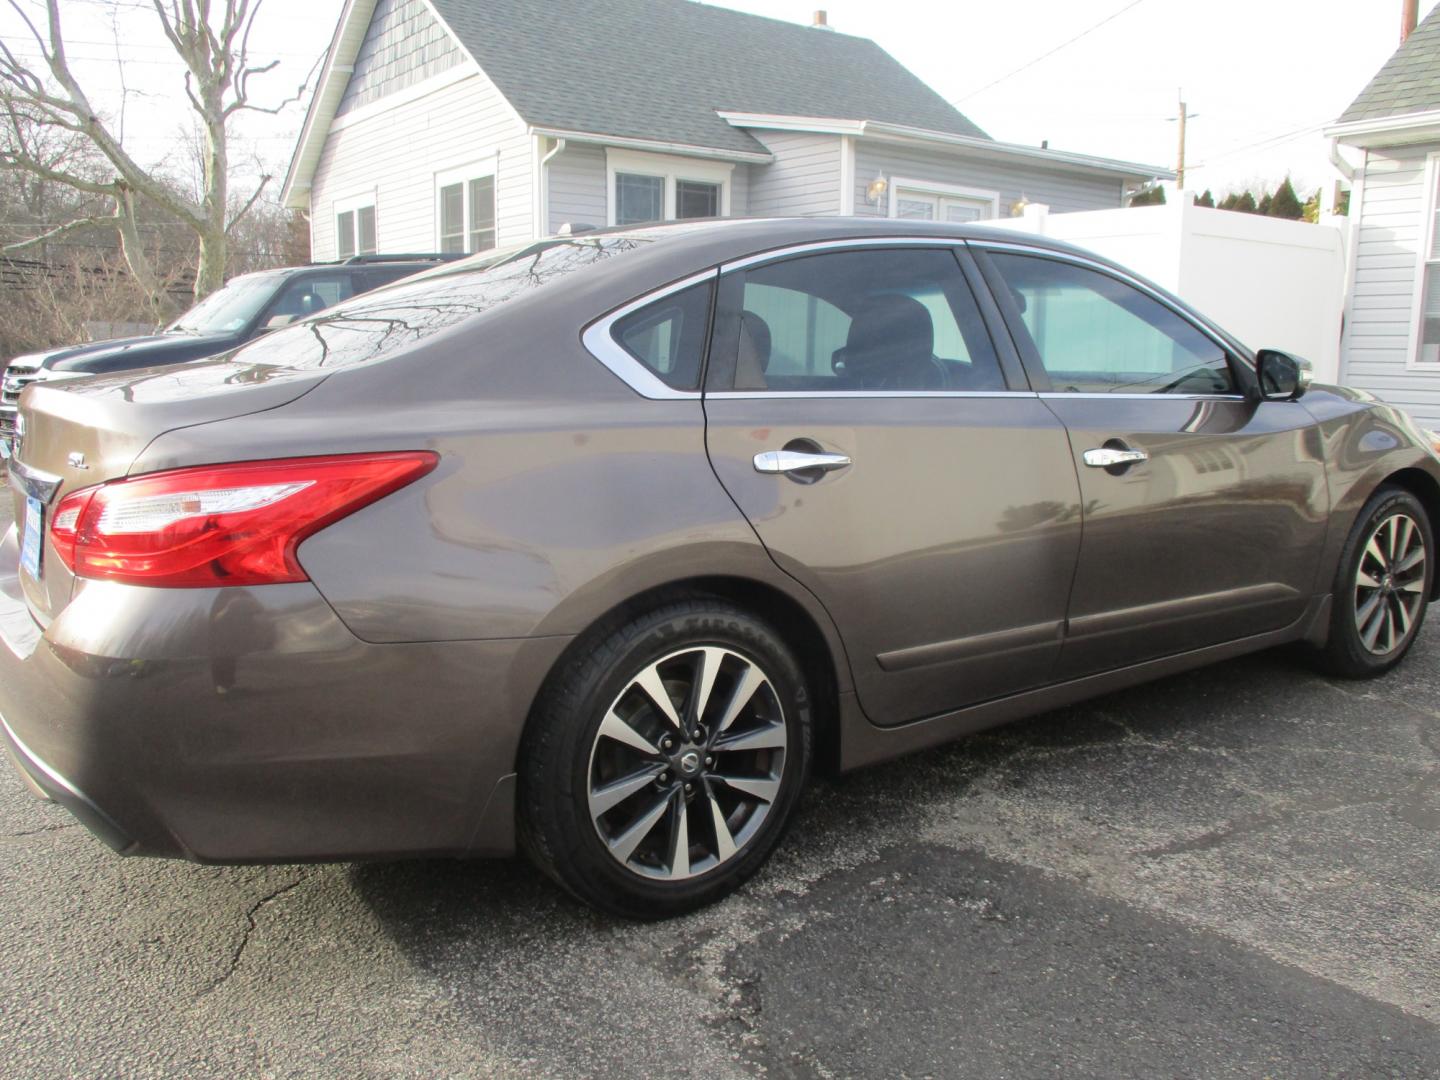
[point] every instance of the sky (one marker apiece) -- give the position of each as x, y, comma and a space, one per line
1260, 77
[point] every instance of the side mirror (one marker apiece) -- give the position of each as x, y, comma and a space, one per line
1282, 377
276, 322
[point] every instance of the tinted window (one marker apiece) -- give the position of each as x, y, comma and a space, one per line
861, 320
668, 336
310, 295
1097, 334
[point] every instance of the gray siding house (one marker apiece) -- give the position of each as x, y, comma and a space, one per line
462, 125
1391, 344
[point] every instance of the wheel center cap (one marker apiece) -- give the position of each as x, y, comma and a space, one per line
689, 762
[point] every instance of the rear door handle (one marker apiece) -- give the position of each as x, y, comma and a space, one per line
1107, 457
791, 461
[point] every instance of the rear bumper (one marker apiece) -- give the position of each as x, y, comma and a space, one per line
249, 725
49, 784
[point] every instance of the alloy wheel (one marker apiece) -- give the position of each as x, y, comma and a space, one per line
687, 763
1390, 583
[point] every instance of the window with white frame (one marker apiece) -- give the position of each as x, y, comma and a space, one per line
1427, 349
355, 226
465, 208
664, 187
919, 200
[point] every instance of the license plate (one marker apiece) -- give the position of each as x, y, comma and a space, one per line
30, 545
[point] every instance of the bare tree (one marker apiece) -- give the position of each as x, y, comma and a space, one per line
212, 40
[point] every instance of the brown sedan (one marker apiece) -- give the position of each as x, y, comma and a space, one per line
600, 544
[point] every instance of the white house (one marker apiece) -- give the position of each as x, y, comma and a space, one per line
461, 125
1391, 344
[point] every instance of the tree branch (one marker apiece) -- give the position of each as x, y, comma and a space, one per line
249, 203
58, 231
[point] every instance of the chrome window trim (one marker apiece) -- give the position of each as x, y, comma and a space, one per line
1100, 396
1129, 279
599, 341
816, 246
751, 395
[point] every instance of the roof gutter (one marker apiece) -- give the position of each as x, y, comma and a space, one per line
876, 129
654, 145
1387, 130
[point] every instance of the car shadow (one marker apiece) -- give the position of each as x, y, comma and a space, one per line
429, 906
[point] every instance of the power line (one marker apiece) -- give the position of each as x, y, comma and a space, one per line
1045, 56
1274, 140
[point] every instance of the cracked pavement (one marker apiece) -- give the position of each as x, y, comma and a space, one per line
1234, 872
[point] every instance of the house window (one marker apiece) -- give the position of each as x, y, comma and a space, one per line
1428, 349
662, 187
465, 209
696, 199
639, 198
355, 227
917, 200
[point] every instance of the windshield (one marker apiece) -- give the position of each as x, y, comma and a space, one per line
384, 321
229, 309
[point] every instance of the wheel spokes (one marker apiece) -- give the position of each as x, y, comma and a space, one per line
701, 726
648, 681
624, 845
1390, 584
766, 738
612, 727
605, 799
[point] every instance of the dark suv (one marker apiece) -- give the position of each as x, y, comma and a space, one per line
248, 305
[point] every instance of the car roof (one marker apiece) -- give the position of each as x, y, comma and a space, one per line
723, 239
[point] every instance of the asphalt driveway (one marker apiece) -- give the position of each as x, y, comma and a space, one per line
1230, 873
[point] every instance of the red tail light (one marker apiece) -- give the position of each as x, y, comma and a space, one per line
220, 524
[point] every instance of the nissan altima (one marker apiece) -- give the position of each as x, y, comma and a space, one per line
597, 547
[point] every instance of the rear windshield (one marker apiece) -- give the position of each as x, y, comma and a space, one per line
379, 323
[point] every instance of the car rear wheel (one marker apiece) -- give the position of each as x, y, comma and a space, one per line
1382, 586
663, 765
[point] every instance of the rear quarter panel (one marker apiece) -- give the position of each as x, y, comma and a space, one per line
561, 492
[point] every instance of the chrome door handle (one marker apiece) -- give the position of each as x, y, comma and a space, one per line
789, 461
1107, 457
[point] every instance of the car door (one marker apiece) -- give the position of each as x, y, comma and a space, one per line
894, 462
1204, 508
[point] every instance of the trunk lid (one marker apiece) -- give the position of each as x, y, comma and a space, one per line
75, 434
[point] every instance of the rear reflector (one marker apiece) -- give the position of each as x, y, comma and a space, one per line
235, 524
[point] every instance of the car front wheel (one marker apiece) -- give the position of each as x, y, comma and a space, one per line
1382, 586
663, 765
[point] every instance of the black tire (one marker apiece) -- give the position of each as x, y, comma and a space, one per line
1347, 654
563, 753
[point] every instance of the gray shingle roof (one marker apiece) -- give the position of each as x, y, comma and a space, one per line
1410, 80
659, 69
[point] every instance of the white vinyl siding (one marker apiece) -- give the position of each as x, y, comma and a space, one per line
1390, 231
1061, 191
398, 152
577, 186
802, 181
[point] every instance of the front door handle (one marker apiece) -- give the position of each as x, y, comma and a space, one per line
1108, 457
794, 461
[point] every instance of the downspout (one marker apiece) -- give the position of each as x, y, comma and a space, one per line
1338, 160
543, 183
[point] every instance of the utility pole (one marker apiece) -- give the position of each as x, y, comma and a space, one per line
1409, 14
1180, 158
